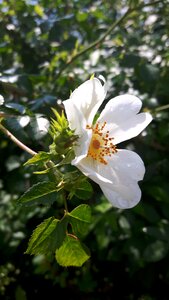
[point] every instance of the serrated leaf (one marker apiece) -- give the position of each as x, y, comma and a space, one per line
47, 237
82, 190
60, 122
80, 218
72, 253
36, 191
39, 157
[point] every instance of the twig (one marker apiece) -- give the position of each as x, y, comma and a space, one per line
101, 39
154, 111
16, 141
94, 44
163, 107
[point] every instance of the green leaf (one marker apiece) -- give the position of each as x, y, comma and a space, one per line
81, 16
47, 237
82, 190
9, 110
39, 10
36, 191
80, 218
20, 293
39, 157
68, 158
61, 122
72, 253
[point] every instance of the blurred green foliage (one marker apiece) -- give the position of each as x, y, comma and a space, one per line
38, 39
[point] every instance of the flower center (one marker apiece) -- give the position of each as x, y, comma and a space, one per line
101, 144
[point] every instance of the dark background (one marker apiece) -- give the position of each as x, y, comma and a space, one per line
130, 248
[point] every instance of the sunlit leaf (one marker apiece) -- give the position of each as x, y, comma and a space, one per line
72, 253
38, 158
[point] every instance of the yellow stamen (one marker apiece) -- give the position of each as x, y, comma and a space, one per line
101, 144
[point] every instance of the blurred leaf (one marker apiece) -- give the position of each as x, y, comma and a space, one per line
20, 293
155, 251
46, 100
38, 127
39, 10
148, 212
158, 233
9, 110
130, 60
18, 107
81, 16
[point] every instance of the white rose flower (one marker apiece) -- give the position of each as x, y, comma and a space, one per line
117, 171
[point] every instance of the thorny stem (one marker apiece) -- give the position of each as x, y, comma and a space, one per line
100, 40
16, 141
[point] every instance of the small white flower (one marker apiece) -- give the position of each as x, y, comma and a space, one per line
116, 171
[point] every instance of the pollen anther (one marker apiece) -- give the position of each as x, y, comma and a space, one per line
101, 144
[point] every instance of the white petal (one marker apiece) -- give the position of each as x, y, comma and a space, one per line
119, 194
127, 164
122, 196
122, 119
75, 117
120, 108
118, 179
89, 167
88, 97
78, 123
81, 147
129, 128
122, 167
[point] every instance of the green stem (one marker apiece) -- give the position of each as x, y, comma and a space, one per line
65, 203
57, 174
100, 40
